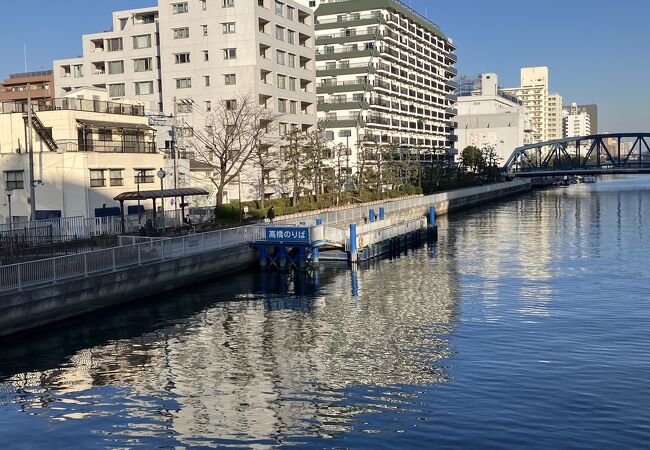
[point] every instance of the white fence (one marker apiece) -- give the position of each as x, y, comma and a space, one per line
143, 251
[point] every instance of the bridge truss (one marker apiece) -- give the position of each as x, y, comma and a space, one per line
598, 154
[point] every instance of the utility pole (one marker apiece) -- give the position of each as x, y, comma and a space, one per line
174, 155
30, 152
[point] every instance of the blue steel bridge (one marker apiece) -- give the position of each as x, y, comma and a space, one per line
599, 154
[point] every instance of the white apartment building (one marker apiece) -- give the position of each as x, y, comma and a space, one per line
576, 122
533, 92
182, 57
86, 152
490, 117
554, 115
385, 75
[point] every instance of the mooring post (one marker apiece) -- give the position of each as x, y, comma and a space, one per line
382, 213
315, 257
353, 243
319, 221
432, 216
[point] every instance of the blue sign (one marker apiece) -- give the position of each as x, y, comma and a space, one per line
288, 234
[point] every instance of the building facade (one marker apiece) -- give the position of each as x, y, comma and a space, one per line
533, 92
16, 89
576, 122
490, 117
591, 110
554, 115
85, 152
385, 75
181, 58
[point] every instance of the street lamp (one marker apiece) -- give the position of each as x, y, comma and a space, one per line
162, 174
9, 193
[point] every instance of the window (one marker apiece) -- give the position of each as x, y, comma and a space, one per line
78, 71
204, 28
230, 104
116, 90
228, 27
227, 3
143, 41
279, 8
230, 79
181, 33
115, 67
279, 57
142, 65
293, 107
282, 105
279, 33
105, 134
182, 58
291, 36
179, 8
292, 84
14, 179
291, 60
141, 176
290, 12
283, 129
206, 80
204, 5
97, 178
144, 88
183, 83
208, 106
282, 81
114, 45
206, 55
115, 177
183, 107
229, 53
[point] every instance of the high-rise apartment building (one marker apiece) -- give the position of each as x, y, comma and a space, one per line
385, 75
203, 51
591, 110
576, 122
554, 117
533, 92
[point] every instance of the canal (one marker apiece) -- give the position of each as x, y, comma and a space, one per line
526, 326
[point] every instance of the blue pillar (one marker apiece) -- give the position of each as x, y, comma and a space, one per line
315, 256
353, 242
302, 258
263, 256
371, 216
432, 216
282, 257
382, 213
319, 221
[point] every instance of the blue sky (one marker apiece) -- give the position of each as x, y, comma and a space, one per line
596, 50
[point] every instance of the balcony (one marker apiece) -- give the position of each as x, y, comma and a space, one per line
75, 104
107, 146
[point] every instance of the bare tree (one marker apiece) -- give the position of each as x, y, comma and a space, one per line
233, 131
267, 161
294, 161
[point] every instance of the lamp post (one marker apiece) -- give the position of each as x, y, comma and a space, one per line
9, 193
162, 174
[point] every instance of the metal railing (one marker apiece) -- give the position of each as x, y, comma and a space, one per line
74, 104
144, 251
71, 145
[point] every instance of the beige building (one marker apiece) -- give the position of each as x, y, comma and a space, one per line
85, 153
554, 115
533, 92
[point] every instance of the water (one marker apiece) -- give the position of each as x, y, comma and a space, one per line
527, 326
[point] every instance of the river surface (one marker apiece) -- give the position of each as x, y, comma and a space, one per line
526, 326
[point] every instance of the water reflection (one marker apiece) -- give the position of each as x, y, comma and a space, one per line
262, 360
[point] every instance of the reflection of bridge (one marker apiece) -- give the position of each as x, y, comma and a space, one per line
616, 153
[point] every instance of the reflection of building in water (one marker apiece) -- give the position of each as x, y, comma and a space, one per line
254, 370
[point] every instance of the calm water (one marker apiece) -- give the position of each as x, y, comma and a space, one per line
527, 326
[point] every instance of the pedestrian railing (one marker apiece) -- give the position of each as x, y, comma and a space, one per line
138, 251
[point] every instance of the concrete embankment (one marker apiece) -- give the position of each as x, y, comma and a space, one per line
40, 305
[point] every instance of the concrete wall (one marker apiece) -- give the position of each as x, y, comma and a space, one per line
52, 303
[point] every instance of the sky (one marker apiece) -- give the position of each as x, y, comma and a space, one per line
596, 50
